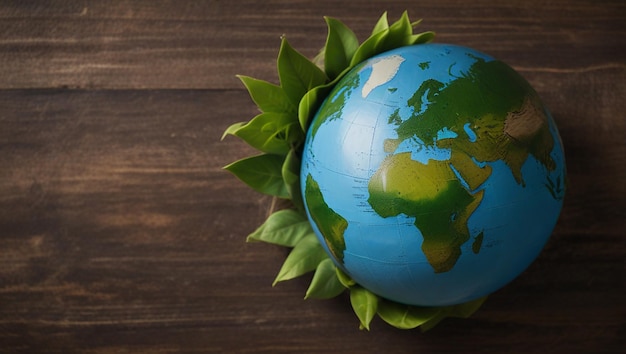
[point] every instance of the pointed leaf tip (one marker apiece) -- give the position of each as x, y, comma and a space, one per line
365, 304
344, 278
325, 284
285, 227
296, 73
267, 96
303, 258
381, 25
341, 43
262, 173
270, 132
231, 130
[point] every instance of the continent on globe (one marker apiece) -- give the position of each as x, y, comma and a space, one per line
434, 196
506, 126
327, 220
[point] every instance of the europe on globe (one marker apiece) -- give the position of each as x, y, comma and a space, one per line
433, 174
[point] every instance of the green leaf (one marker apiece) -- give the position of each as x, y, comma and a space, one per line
368, 48
267, 96
416, 23
291, 169
341, 43
386, 37
325, 284
318, 59
405, 316
303, 258
381, 25
232, 129
365, 304
270, 132
262, 173
291, 175
284, 228
311, 102
421, 38
344, 278
399, 33
297, 74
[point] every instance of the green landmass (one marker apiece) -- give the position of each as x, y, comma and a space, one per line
508, 123
434, 196
504, 112
494, 114
331, 225
395, 118
478, 242
332, 108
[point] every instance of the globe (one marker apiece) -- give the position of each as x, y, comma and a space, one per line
432, 174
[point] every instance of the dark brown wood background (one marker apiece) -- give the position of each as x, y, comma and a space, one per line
119, 231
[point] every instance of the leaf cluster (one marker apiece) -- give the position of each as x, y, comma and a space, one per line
286, 110
279, 131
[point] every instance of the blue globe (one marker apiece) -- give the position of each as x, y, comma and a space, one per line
433, 174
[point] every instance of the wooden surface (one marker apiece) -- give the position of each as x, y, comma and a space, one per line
119, 231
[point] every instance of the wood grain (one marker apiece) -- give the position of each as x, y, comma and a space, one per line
120, 232
174, 44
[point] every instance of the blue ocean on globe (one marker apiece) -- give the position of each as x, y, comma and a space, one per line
433, 174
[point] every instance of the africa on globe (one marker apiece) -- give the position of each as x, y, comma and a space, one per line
432, 175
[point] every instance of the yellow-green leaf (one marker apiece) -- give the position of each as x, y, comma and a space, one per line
318, 59
421, 38
270, 132
381, 25
399, 33
405, 316
262, 173
386, 37
284, 228
341, 43
267, 96
369, 47
325, 284
232, 129
303, 258
310, 103
344, 278
297, 74
365, 304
